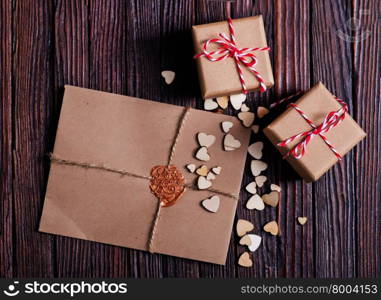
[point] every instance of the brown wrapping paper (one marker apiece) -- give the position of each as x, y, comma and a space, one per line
318, 158
221, 78
133, 134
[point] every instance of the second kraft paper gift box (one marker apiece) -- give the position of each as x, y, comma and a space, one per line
99, 183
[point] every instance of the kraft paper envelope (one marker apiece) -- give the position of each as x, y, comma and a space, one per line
113, 132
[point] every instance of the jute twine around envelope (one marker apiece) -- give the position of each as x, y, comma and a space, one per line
102, 167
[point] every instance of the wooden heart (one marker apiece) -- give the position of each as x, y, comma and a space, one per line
262, 111
209, 104
271, 227
168, 76
226, 125
245, 260
223, 101
271, 199
202, 171
211, 204
245, 108
210, 176
260, 180
245, 240
243, 227
237, 100
255, 150
230, 143
205, 140
255, 202
302, 220
253, 241
217, 170
203, 183
257, 166
275, 187
247, 118
252, 188
202, 154
191, 168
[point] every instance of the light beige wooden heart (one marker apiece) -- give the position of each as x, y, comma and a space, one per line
230, 143
275, 187
271, 227
168, 76
217, 170
209, 104
202, 171
252, 188
253, 241
211, 204
262, 111
191, 167
302, 220
223, 101
205, 140
255, 150
271, 199
202, 154
245, 108
247, 118
255, 128
243, 226
245, 260
226, 126
255, 202
237, 100
260, 180
211, 176
203, 183
257, 166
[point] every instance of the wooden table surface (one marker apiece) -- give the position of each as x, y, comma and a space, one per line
122, 47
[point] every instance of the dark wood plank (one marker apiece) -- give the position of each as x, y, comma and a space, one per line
367, 111
334, 194
6, 240
33, 93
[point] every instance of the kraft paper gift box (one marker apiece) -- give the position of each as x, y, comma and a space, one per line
221, 78
318, 157
99, 187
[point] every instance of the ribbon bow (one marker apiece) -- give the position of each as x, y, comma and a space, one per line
242, 56
331, 120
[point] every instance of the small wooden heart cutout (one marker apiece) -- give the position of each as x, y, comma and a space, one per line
202, 154
209, 104
217, 170
237, 100
260, 180
245, 108
257, 166
202, 171
255, 128
245, 260
205, 140
255, 202
271, 227
168, 76
243, 227
203, 183
211, 204
255, 150
226, 126
271, 199
210, 176
262, 111
230, 143
247, 118
275, 187
253, 241
302, 220
252, 188
223, 101
191, 167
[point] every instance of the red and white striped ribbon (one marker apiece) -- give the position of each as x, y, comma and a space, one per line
331, 120
242, 56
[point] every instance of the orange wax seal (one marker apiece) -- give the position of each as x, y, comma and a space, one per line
167, 184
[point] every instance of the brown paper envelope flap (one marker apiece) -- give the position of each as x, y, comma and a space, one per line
316, 104
249, 33
134, 135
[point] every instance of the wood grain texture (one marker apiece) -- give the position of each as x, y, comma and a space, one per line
122, 47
